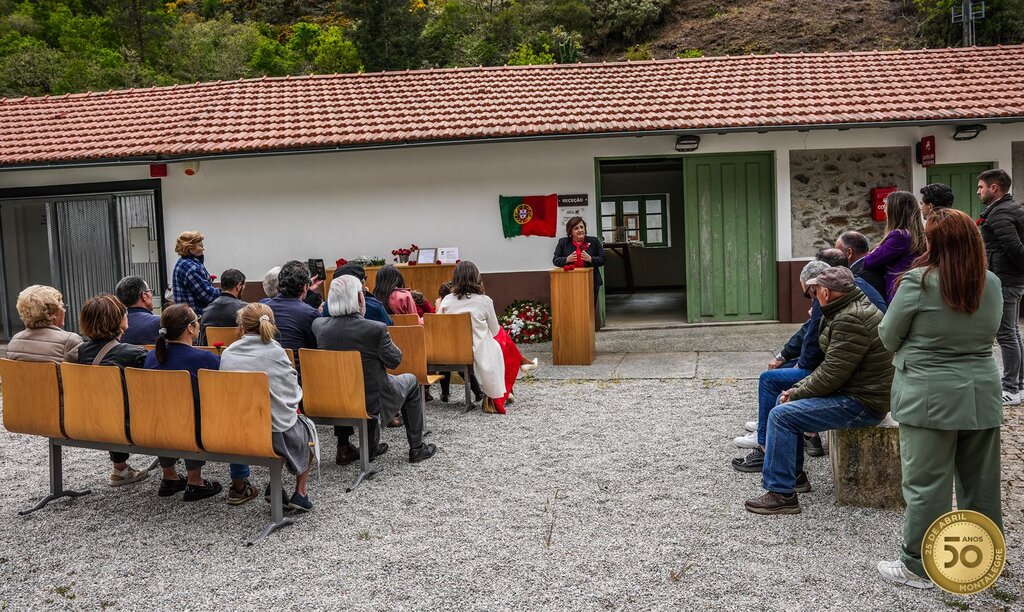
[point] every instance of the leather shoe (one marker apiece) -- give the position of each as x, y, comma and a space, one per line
425, 451
347, 454
380, 450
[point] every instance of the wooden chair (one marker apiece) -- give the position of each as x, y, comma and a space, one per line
210, 349
94, 403
227, 335
411, 340
333, 394
405, 319
31, 395
291, 356
149, 347
161, 409
234, 410
449, 342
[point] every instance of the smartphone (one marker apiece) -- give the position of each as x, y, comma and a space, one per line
317, 269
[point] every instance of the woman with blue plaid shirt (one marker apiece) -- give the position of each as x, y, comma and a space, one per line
191, 282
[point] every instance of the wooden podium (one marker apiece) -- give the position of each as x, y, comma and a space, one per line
572, 317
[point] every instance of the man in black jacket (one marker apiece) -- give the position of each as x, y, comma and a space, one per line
222, 311
1002, 228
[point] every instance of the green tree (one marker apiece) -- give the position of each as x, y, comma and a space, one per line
336, 54
140, 25
387, 32
524, 55
1003, 23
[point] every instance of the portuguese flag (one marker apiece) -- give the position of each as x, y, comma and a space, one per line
528, 215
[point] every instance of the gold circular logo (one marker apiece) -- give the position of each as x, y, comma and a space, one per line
522, 214
963, 552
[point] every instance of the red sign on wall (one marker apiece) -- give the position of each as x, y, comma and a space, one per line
926, 151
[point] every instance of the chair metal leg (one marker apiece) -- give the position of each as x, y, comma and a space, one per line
465, 383
365, 471
56, 480
277, 519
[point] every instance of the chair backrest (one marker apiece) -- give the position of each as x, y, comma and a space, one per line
94, 404
405, 319
227, 335
449, 338
332, 384
234, 412
161, 409
410, 339
291, 356
149, 347
208, 349
31, 397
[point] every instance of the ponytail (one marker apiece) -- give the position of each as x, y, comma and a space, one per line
174, 323
257, 318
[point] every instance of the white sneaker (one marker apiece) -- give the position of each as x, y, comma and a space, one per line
127, 476
895, 571
747, 441
1011, 399
750, 426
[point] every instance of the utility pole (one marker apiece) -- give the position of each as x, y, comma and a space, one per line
968, 13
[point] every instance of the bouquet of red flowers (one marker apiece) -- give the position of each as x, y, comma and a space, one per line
527, 321
402, 255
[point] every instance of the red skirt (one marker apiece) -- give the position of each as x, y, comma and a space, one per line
513, 359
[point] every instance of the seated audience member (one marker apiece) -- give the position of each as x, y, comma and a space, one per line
903, 241
446, 381
179, 328
375, 311
797, 359
143, 325
386, 394
41, 309
389, 287
935, 196
257, 351
423, 305
223, 311
849, 389
191, 282
294, 318
104, 319
834, 258
855, 246
270, 284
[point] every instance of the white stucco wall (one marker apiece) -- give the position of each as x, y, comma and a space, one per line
259, 212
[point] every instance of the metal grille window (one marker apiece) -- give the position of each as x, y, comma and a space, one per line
635, 218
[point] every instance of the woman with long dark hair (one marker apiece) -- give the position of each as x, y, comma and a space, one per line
903, 241
946, 393
496, 359
389, 287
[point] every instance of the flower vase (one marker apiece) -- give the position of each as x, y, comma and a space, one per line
403, 258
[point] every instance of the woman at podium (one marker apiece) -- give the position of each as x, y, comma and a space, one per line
579, 250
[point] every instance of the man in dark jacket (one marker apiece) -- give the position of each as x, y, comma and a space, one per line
143, 325
1002, 228
223, 311
855, 247
849, 389
386, 394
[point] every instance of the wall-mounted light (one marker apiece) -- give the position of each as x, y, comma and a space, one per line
191, 168
968, 132
685, 144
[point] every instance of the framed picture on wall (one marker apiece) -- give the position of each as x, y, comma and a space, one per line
448, 255
426, 256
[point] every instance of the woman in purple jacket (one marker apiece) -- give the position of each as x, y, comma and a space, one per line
903, 242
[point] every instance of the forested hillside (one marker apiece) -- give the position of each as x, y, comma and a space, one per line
59, 46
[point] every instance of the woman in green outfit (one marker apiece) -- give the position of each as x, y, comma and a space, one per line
946, 390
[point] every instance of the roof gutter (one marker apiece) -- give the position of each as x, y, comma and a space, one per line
154, 159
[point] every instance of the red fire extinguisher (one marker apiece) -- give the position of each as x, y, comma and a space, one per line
878, 195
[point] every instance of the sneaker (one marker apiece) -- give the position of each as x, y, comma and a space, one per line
813, 446
300, 503
209, 488
237, 498
753, 462
529, 367
424, 452
170, 487
346, 454
802, 484
127, 476
750, 426
773, 503
896, 571
746, 441
1011, 399
284, 496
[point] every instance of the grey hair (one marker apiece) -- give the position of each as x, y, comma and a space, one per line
343, 298
812, 270
270, 282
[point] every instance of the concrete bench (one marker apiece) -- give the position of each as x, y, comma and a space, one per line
866, 466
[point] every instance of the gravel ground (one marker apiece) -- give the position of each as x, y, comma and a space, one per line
588, 495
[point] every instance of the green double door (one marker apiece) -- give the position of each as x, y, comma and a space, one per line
729, 204
963, 180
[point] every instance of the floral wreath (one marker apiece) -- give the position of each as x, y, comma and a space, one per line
527, 321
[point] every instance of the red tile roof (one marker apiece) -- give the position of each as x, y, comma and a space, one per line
351, 110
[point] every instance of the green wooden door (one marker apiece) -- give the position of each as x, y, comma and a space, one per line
963, 180
729, 206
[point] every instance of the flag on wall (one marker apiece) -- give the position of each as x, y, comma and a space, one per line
528, 215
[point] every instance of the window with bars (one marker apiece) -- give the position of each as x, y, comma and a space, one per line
635, 218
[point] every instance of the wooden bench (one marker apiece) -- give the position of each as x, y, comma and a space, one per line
148, 412
405, 319
333, 394
224, 335
449, 345
412, 342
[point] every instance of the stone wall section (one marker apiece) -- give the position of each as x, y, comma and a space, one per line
831, 192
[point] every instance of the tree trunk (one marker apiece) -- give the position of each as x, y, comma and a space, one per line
866, 466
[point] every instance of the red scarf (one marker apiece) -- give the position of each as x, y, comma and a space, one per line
579, 263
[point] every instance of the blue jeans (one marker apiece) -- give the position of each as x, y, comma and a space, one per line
784, 451
769, 386
239, 471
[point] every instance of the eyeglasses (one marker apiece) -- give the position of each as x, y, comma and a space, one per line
149, 291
